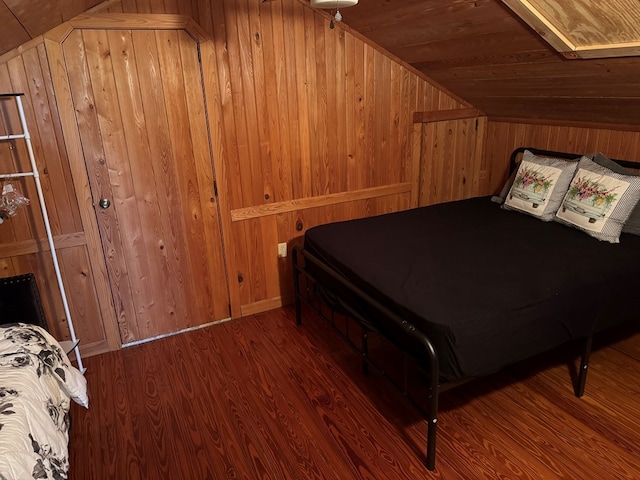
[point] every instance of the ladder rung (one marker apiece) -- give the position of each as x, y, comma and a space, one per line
17, 175
34, 173
13, 137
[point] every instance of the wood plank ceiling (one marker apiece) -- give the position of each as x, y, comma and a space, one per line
484, 53
479, 50
23, 20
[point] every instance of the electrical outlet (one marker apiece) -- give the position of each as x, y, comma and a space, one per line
282, 250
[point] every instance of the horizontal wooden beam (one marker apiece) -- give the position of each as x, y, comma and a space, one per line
134, 21
630, 49
125, 21
29, 247
320, 201
440, 115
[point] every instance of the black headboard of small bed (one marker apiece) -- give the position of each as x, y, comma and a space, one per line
20, 301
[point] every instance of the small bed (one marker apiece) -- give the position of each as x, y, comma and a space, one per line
469, 287
37, 383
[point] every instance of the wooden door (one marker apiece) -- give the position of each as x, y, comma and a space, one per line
139, 105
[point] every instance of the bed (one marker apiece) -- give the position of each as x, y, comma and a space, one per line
37, 383
469, 287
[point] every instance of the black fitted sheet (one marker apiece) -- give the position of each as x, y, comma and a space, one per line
488, 286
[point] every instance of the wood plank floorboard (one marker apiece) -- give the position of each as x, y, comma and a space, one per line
261, 398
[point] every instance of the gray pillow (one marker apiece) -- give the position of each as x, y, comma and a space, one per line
505, 189
599, 200
632, 225
539, 185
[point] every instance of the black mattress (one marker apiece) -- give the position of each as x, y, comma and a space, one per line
488, 286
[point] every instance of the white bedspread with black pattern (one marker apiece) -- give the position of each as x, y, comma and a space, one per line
36, 385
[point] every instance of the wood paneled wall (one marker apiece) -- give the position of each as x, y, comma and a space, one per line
504, 136
312, 125
317, 127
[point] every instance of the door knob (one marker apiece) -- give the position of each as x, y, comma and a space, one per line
104, 203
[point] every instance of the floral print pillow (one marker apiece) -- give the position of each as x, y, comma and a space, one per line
599, 201
539, 185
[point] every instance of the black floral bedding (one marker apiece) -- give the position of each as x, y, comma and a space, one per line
37, 383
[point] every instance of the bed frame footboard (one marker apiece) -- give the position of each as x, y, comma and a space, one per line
300, 258
303, 260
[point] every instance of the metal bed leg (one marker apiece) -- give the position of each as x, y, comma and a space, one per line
584, 365
296, 287
432, 426
431, 444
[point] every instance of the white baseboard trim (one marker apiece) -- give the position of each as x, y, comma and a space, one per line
164, 335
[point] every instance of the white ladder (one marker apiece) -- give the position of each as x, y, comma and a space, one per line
73, 343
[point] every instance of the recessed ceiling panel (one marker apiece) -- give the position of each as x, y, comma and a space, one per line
584, 28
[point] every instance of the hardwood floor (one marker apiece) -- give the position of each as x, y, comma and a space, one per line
260, 398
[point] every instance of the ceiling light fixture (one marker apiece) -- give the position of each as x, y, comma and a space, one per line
333, 4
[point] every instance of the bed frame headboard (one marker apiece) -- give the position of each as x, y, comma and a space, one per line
513, 161
20, 301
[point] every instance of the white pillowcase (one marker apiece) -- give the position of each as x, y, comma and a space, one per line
539, 185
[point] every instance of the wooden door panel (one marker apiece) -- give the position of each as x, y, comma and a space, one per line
146, 147
95, 157
162, 163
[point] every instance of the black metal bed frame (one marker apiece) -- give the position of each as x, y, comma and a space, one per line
301, 258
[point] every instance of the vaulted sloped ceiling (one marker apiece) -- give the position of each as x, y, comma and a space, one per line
22, 20
483, 52
479, 50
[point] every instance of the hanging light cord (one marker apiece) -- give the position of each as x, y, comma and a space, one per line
337, 17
